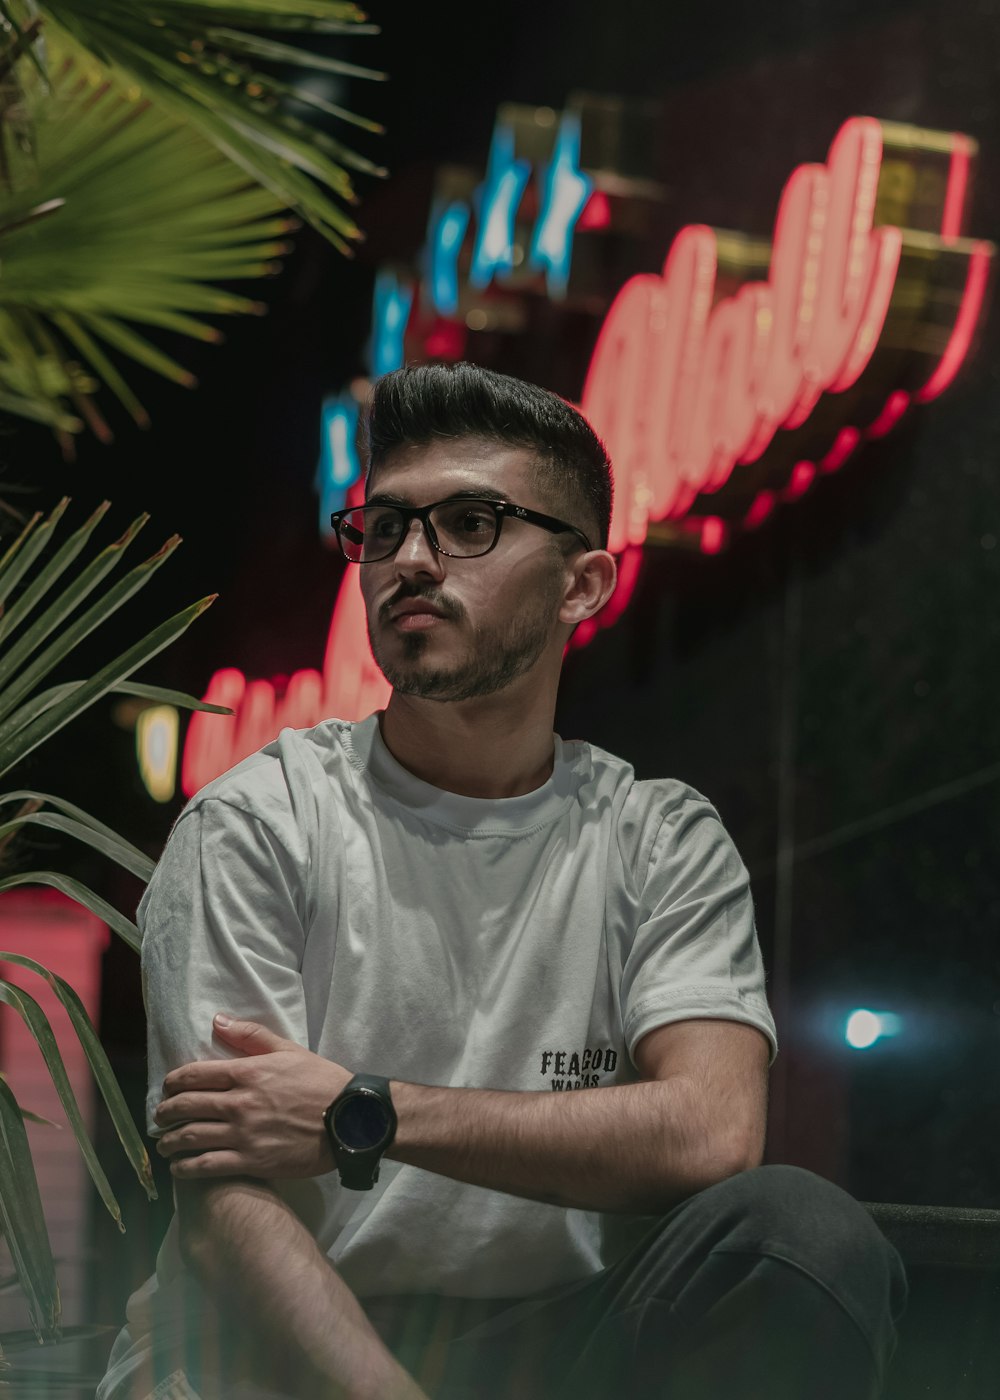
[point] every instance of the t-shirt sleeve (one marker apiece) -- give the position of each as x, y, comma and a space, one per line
695, 955
222, 930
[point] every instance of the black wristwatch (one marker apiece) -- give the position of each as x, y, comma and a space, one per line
361, 1124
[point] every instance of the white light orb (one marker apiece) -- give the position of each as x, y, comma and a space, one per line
863, 1029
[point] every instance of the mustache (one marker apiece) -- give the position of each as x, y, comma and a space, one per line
446, 606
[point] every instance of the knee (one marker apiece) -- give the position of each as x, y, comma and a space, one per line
791, 1214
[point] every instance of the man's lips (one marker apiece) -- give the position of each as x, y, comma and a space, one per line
415, 614
413, 606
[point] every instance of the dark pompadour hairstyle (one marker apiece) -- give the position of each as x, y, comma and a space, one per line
422, 403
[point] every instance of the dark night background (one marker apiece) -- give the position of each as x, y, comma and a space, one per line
830, 682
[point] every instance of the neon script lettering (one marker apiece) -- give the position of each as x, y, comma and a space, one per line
682, 388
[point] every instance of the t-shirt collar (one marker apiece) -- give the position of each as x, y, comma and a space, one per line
482, 816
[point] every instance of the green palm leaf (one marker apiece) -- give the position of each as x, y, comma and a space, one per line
28, 1117
38, 1024
99, 839
29, 544
22, 1220
136, 861
164, 696
150, 215
13, 687
17, 745
100, 1066
106, 912
53, 570
199, 61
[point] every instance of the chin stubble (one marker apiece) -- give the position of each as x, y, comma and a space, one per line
497, 656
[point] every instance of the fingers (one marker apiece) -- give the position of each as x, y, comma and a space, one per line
249, 1037
195, 1137
203, 1107
211, 1164
201, 1075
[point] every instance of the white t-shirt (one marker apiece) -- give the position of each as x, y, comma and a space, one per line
525, 943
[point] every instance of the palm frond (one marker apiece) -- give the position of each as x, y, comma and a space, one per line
22, 1220
201, 62
38, 1024
42, 622
142, 217
100, 1066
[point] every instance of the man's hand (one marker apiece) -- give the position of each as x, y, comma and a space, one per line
261, 1116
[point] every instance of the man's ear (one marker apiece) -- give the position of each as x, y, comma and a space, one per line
592, 579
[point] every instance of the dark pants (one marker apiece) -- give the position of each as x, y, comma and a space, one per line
772, 1285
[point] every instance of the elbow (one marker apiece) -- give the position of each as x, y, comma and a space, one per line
734, 1154
196, 1249
718, 1161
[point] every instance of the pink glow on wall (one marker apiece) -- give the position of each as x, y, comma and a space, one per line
53, 930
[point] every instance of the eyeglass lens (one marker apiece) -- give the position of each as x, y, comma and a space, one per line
463, 528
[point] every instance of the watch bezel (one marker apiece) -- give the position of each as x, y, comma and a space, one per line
360, 1091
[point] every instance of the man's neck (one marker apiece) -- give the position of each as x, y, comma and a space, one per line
491, 747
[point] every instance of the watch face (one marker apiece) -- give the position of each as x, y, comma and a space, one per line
361, 1122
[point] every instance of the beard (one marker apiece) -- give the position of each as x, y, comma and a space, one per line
498, 653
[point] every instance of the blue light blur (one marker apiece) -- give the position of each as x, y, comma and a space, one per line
390, 313
497, 200
339, 464
445, 238
565, 193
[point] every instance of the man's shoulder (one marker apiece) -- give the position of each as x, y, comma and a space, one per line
283, 781
655, 795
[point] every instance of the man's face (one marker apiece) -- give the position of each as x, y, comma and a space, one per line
495, 614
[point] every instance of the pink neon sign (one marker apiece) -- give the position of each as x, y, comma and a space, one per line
687, 388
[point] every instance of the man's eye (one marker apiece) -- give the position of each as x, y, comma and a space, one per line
467, 520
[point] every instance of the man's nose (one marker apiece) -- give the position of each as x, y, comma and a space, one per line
416, 554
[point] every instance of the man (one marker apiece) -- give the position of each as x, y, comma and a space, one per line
475, 917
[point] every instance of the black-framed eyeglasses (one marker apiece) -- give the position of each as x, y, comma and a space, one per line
460, 527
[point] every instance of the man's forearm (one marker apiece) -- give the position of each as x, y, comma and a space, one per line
282, 1297
696, 1116
636, 1148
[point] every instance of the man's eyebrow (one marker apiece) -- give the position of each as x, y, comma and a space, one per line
482, 493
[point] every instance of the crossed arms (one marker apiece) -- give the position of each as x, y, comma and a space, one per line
696, 1117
